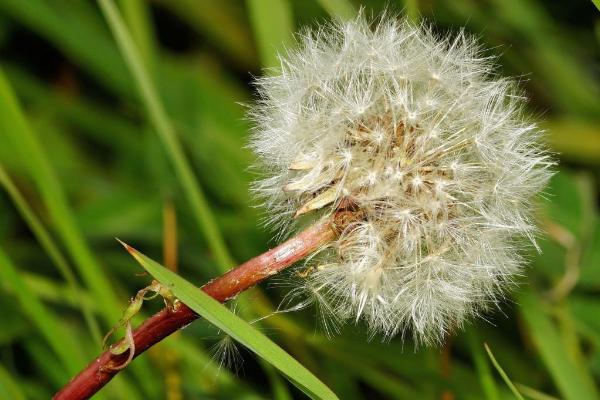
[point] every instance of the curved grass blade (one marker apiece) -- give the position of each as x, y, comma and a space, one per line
15, 128
569, 374
51, 248
482, 367
220, 316
9, 388
54, 332
505, 377
139, 20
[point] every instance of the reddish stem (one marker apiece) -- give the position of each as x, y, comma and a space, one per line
100, 371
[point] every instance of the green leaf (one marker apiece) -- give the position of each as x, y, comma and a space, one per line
139, 21
584, 309
482, 367
49, 326
339, 8
567, 207
571, 378
218, 315
51, 248
382, 380
590, 260
273, 25
9, 389
503, 374
15, 129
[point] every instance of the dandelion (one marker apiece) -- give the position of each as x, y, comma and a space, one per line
428, 148
406, 170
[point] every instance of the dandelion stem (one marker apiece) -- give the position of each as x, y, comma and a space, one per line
102, 369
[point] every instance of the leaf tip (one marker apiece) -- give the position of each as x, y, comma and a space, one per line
130, 249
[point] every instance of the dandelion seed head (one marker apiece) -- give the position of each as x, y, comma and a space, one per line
418, 133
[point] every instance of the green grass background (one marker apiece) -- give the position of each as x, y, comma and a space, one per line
90, 151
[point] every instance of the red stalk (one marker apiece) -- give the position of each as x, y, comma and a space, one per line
100, 371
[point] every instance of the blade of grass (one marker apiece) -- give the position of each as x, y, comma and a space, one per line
279, 389
166, 132
482, 367
273, 25
386, 383
170, 359
571, 378
137, 15
339, 8
220, 316
51, 249
50, 327
51, 291
14, 126
93, 120
503, 374
46, 363
48, 367
9, 388
574, 89
534, 394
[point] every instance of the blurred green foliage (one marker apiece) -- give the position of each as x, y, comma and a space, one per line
83, 159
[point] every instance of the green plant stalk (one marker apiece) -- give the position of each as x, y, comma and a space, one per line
14, 126
51, 249
166, 132
137, 15
503, 374
481, 365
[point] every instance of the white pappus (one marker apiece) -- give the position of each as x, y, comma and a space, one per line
417, 133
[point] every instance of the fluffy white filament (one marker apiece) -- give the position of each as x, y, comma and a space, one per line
433, 149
